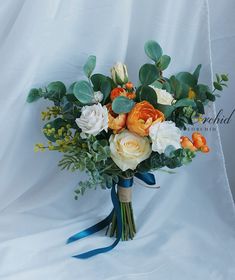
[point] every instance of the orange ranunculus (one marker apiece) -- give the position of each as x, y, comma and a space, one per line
116, 92
142, 116
186, 143
116, 122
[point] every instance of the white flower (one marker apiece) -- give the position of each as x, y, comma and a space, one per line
163, 97
98, 96
119, 73
129, 149
93, 119
164, 134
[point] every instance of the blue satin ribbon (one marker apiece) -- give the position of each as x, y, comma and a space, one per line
148, 178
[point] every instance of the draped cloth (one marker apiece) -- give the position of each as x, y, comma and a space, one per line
185, 229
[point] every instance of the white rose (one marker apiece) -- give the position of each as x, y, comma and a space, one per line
129, 149
163, 97
164, 134
119, 73
93, 119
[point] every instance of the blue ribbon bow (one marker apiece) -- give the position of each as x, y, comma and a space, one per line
148, 178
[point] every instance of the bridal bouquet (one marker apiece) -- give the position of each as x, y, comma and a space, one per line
114, 130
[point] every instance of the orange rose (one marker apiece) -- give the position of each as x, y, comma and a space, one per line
142, 116
116, 122
186, 143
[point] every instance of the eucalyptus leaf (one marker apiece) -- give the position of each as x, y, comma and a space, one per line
185, 102
55, 91
148, 74
83, 92
164, 62
153, 50
218, 86
196, 72
122, 104
89, 66
33, 95
186, 78
105, 88
148, 94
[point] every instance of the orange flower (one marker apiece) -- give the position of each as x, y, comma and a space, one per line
129, 85
186, 143
116, 92
130, 95
199, 143
116, 122
121, 92
142, 116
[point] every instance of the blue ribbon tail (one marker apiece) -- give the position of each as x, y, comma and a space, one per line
99, 226
148, 178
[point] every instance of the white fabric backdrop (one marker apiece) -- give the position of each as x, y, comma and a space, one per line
185, 229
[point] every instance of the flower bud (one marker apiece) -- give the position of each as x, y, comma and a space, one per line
119, 73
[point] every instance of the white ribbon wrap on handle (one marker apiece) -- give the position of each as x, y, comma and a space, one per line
124, 194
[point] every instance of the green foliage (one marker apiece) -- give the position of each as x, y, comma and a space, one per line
34, 95
148, 74
147, 93
153, 50
122, 104
196, 72
219, 84
163, 62
173, 159
55, 91
186, 78
83, 92
105, 88
89, 66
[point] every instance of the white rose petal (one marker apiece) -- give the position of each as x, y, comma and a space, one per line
164, 134
93, 119
163, 97
129, 149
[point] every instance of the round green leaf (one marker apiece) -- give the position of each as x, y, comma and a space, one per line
122, 104
148, 74
186, 78
89, 65
83, 92
164, 62
33, 95
148, 94
153, 50
105, 88
56, 88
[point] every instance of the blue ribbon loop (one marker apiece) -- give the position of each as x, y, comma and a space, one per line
148, 178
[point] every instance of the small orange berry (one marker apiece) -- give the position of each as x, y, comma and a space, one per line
129, 85
205, 149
